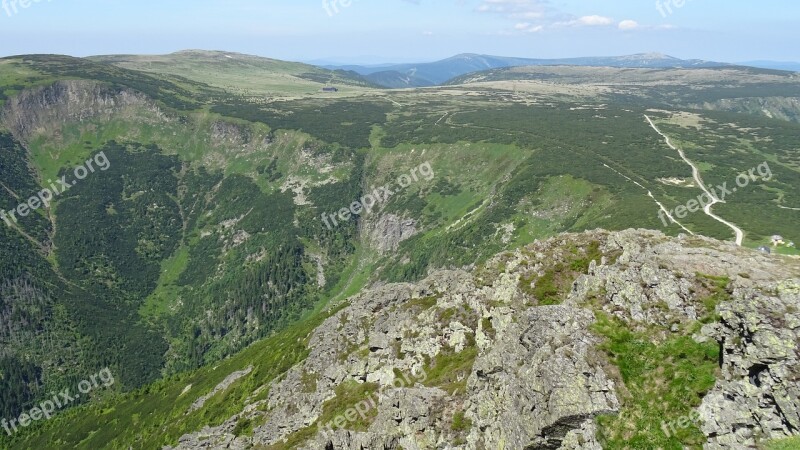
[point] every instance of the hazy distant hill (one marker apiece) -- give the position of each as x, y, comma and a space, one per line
438, 72
573, 74
778, 65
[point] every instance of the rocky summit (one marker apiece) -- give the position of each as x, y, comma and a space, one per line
581, 341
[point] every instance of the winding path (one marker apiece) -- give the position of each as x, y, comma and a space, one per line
650, 194
699, 180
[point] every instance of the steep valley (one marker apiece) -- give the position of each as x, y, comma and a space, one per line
497, 250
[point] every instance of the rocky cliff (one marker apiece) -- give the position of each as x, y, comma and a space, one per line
48, 108
582, 341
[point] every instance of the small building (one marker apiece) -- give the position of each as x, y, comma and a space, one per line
764, 249
777, 239
330, 89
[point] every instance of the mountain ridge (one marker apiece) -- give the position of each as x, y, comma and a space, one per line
202, 250
438, 72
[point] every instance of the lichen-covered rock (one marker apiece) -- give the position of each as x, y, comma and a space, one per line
389, 230
758, 395
536, 384
499, 358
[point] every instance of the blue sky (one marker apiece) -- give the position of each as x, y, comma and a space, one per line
370, 31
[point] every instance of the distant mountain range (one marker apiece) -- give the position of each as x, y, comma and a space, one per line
777, 65
439, 72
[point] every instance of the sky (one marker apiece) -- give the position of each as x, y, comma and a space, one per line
384, 31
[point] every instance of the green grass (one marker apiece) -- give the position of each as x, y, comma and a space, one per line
72, 144
582, 261
309, 381
789, 251
357, 274
422, 303
547, 290
14, 77
244, 427
792, 443
562, 203
665, 382
461, 423
292, 441
348, 394
158, 302
449, 370
155, 415
480, 166
555, 282
715, 292
241, 74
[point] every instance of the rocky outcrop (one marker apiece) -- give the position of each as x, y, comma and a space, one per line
229, 134
388, 231
758, 394
225, 384
48, 108
784, 108
555, 390
491, 359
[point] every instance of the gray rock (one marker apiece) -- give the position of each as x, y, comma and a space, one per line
388, 231
537, 378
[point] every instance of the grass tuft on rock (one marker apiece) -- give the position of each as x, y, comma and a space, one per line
665, 382
450, 370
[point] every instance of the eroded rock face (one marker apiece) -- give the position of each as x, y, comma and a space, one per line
475, 360
388, 231
535, 384
759, 391
784, 108
41, 109
230, 134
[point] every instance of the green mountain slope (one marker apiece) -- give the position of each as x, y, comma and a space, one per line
235, 72
203, 243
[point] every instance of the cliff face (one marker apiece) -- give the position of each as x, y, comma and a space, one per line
784, 108
48, 108
550, 347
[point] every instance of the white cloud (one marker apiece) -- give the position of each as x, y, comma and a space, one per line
595, 20
537, 15
528, 27
628, 25
522, 11
586, 21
